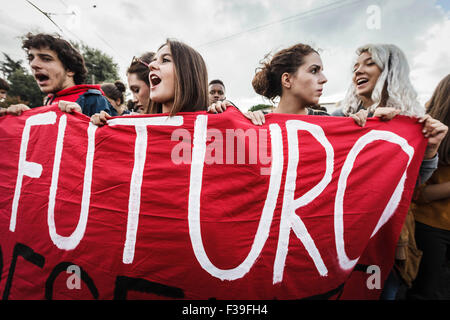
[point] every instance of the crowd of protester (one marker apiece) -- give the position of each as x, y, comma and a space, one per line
174, 79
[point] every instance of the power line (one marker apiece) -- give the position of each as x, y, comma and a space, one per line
46, 14
105, 42
96, 34
305, 14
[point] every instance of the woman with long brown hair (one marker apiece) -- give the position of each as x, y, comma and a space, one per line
178, 81
432, 207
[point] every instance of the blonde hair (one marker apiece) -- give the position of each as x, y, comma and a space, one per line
393, 88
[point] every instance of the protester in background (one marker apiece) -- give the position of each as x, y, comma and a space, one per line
432, 206
319, 107
178, 82
381, 82
60, 72
4, 88
114, 92
216, 90
138, 82
131, 106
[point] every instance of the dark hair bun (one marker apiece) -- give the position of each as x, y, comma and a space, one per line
263, 82
259, 81
267, 81
120, 86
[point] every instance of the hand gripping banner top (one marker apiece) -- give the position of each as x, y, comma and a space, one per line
200, 206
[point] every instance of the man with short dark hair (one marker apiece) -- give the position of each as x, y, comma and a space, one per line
216, 91
60, 72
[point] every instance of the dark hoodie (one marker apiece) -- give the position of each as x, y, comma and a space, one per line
90, 98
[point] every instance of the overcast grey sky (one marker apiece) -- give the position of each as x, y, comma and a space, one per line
234, 35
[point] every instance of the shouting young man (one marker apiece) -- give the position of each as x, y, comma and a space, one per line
60, 72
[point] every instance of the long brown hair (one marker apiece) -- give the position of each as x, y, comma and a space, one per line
139, 67
439, 108
191, 85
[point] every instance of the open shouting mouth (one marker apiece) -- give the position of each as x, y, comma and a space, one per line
41, 78
155, 80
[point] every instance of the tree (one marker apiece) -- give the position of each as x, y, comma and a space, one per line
101, 67
260, 107
22, 84
9, 65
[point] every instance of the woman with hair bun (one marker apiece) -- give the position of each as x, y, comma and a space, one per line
295, 76
114, 92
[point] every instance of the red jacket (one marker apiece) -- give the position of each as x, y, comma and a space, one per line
72, 93
90, 97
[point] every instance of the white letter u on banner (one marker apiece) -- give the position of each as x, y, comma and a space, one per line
72, 241
195, 187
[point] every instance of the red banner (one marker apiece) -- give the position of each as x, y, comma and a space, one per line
200, 206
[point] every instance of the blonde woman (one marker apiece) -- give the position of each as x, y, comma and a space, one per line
380, 81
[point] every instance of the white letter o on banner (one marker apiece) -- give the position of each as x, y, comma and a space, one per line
344, 260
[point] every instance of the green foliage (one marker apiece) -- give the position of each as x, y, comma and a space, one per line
22, 84
101, 67
8, 66
261, 107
